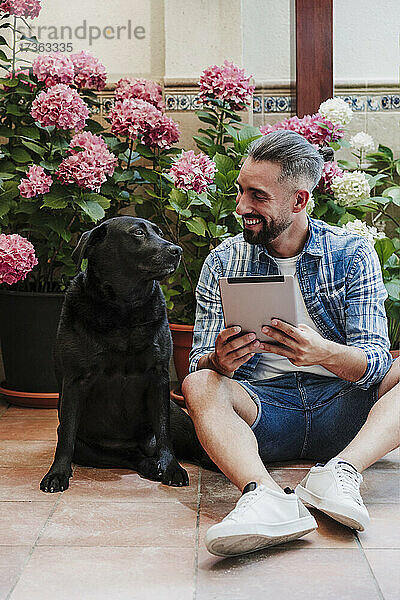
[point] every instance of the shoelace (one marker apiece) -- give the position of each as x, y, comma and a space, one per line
244, 502
349, 481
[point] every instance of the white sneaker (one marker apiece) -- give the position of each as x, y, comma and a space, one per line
262, 517
334, 489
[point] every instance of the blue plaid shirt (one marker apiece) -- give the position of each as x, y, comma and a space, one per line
341, 281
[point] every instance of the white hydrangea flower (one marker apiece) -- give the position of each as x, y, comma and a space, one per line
370, 233
362, 141
310, 205
337, 111
351, 188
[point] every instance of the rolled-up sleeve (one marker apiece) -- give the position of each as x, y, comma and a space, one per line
209, 315
366, 322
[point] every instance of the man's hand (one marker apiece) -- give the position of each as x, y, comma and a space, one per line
302, 346
230, 354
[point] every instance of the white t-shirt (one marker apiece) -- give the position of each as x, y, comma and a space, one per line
272, 365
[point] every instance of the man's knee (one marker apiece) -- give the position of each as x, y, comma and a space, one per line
198, 387
391, 379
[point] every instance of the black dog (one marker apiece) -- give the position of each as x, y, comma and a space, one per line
112, 358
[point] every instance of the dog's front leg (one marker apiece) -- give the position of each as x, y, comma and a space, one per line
70, 403
158, 401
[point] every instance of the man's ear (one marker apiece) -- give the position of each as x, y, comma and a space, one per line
86, 241
302, 197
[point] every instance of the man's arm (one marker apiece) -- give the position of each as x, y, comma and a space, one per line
365, 358
305, 347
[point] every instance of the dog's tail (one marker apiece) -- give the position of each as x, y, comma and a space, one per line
184, 439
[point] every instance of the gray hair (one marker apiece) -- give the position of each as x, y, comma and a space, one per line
299, 160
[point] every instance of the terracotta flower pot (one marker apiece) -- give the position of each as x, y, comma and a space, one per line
182, 338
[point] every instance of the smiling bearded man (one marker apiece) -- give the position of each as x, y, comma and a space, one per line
254, 403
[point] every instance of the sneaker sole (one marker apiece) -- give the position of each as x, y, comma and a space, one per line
347, 517
252, 537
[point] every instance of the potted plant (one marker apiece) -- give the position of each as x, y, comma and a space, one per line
53, 172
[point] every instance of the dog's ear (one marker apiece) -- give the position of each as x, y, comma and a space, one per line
86, 241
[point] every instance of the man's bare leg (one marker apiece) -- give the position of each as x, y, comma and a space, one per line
381, 432
222, 413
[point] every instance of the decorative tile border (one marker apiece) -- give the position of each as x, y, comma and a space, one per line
266, 104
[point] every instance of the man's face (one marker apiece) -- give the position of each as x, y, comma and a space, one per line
264, 203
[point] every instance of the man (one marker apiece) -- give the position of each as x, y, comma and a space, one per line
254, 403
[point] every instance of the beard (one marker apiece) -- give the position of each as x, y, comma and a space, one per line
269, 231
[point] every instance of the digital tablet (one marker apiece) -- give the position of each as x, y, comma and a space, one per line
252, 302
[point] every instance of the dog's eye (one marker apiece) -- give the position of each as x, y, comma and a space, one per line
138, 232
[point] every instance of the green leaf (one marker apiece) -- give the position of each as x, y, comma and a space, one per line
50, 166
122, 176
385, 150
393, 288
55, 203
248, 132
9, 82
384, 249
102, 200
207, 117
217, 231
144, 151
30, 132
224, 163
94, 126
5, 176
92, 209
4, 57
9, 191
347, 164
13, 109
21, 156
203, 140
393, 193
148, 174
6, 131
197, 225
37, 148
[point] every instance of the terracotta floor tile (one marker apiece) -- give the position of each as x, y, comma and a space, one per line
166, 524
107, 574
20, 428
329, 534
29, 413
287, 572
386, 567
381, 486
21, 522
390, 461
22, 484
22, 453
383, 530
12, 561
119, 485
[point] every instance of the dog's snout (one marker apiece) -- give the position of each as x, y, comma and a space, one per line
175, 250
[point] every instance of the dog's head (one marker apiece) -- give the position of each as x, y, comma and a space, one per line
128, 246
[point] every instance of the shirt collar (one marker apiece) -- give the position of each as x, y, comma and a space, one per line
313, 243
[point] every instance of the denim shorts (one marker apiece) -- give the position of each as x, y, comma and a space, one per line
306, 416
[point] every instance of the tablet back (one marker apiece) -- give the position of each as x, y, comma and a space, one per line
252, 302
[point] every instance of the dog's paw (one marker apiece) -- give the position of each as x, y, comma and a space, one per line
175, 475
55, 481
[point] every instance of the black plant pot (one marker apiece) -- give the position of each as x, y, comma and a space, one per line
28, 327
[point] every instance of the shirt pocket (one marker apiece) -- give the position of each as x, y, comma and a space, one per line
334, 301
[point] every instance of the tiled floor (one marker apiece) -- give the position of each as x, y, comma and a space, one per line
116, 536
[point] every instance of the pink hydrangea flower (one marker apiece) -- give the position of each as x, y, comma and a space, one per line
163, 134
135, 118
17, 258
227, 83
330, 170
90, 73
9, 75
88, 167
309, 127
61, 106
21, 8
140, 88
53, 68
36, 182
193, 172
